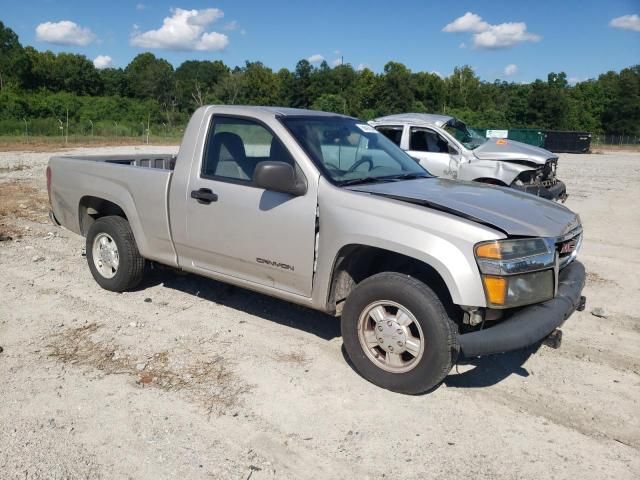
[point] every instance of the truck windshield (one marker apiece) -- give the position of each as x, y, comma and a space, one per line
349, 151
465, 135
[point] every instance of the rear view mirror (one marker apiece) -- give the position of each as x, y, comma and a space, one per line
278, 177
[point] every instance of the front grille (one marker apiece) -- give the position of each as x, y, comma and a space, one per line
567, 248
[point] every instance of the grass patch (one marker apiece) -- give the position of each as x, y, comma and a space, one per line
9, 232
16, 167
18, 199
48, 144
209, 381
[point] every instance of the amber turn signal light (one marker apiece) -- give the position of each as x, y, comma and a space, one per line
489, 250
496, 289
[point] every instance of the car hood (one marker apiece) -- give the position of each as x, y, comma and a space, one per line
510, 211
510, 150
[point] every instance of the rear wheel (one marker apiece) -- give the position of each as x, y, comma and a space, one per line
112, 254
397, 333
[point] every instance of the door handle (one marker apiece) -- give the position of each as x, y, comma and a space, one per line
204, 196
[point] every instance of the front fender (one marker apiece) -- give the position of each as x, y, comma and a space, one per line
443, 241
505, 172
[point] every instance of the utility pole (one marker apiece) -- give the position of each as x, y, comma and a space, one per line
148, 126
116, 124
66, 138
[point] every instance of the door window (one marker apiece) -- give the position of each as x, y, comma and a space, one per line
393, 133
235, 146
423, 140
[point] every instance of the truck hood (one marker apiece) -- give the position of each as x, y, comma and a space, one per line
510, 150
510, 211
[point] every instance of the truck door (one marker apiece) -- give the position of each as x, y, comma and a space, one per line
433, 152
236, 229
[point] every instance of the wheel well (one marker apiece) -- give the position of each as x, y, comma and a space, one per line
355, 263
491, 181
92, 208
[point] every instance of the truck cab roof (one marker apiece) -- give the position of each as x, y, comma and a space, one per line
415, 118
251, 110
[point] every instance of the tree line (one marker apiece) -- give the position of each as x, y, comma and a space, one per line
36, 87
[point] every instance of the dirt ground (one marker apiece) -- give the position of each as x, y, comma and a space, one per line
190, 378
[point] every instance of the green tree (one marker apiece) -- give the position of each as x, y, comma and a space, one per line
14, 62
395, 92
196, 80
149, 77
330, 102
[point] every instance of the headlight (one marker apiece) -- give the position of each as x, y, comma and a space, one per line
517, 272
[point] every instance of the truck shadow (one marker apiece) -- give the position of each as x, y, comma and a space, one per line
317, 323
488, 371
485, 371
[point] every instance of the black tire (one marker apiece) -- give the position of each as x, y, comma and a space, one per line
131, 264
439, 330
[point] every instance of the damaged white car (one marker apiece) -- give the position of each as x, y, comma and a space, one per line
446, 147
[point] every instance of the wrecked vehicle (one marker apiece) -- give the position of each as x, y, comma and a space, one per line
322, 210
447, 147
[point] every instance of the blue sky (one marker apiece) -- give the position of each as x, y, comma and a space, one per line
512, 40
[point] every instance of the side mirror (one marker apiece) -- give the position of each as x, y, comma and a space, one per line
278, 177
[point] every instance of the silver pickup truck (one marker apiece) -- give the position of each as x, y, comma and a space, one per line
324, 211
448, 148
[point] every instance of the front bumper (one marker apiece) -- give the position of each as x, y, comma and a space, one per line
530, 324
557, 191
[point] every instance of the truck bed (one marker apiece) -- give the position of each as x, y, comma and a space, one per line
162, 161
138, 184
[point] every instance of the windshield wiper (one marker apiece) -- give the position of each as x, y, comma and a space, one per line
407, 176
358, 181
385, 178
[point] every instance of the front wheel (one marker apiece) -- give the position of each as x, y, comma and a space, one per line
397, 333
112, 254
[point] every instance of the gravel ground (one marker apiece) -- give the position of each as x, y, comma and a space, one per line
190, 378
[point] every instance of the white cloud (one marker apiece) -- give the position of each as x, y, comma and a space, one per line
436, 72
462, 45
231, 26
361, 66
337, 62
469, 22
102, 61
64, 33
140, 6
510, 69
490, 36
504, 35
626, 22
184, 30
317, 58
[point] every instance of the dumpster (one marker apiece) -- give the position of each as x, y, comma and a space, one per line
567, 142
